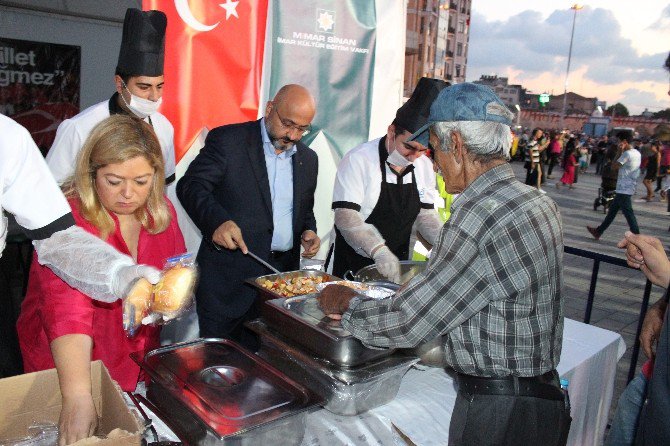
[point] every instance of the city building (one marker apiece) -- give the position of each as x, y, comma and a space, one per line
437, 41
575, 104
511, 95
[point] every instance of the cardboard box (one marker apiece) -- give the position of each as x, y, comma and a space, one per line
35, 397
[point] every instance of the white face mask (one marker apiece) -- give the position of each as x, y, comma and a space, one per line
141, 107
396, 158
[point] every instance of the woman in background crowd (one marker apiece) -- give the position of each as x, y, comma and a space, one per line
569, 168
555, 149
653, 164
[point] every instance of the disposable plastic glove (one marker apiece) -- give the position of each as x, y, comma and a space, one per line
126, 275
429, 225
362, 237
387, 264
89, 264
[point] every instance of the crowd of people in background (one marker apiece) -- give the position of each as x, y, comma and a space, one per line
543, 150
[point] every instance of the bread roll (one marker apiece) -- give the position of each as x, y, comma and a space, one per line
174, 289
140, 297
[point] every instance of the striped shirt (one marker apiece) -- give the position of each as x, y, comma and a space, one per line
533, 151
492, 286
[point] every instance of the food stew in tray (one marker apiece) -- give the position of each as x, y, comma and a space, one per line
290, 284
296, 286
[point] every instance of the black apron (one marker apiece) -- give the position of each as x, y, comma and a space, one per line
393, 216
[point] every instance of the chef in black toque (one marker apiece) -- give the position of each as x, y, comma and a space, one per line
139, 90
383, 189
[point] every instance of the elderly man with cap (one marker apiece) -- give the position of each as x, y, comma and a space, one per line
139, 89
492, 287
382, 188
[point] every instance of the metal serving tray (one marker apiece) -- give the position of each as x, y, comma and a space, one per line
266, 294
301, 320
408, 269
215, 392
345, 390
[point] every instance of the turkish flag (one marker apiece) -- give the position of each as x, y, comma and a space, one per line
213, 64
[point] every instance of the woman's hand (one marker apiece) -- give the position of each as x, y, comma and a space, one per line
78, 418
72, 356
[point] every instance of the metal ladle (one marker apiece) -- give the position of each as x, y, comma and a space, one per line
264, 263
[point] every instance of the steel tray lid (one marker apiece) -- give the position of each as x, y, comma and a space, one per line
230, 389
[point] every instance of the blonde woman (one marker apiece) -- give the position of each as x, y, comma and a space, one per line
116, 193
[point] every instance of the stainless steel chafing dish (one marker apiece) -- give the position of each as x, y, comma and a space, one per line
213, 392
266, 293
345, 390
301, 320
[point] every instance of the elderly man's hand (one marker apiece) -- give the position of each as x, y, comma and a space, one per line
651, 328
334, 300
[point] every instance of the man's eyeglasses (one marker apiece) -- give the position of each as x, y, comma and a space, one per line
429, 152
287, 123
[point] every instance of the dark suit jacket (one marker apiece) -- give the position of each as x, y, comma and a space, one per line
228, 180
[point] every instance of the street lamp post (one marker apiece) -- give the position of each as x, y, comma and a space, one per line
576, 7
518, 114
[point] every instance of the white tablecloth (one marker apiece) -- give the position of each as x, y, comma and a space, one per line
422, 409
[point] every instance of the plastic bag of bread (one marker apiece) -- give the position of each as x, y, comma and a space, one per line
148, 304
173, 294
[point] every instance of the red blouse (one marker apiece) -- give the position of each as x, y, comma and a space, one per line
52, 308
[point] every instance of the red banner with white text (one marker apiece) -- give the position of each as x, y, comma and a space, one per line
213, 64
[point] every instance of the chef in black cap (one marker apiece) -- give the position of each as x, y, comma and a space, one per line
139, 89
385, 187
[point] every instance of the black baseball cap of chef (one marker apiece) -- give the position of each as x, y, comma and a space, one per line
142, 43
414, 113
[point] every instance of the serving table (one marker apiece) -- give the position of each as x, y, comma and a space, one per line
421, 411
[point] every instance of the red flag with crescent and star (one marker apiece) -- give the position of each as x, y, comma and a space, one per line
213, 64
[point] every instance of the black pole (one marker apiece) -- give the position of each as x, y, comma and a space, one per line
592, 291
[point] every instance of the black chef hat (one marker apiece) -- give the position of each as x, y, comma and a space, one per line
414, 113
143, 43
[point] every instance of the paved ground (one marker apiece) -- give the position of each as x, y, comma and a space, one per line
619, 291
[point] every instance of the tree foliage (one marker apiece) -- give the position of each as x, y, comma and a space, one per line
618, 109
663, 114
